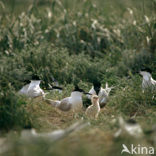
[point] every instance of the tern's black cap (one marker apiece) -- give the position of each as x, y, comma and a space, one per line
147, 69
78, 89
131, 121
35, 77
26, 82
97, 86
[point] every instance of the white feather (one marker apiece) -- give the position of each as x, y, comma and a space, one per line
148, 82
103, 94
74, 102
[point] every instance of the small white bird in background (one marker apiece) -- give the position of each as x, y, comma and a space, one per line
130, 127
32, 135
74, 102
148, 82
24, 89
103, 93
93, 110
33, 88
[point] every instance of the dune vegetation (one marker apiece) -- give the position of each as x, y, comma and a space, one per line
76, 42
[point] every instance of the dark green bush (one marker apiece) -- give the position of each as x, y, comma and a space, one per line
13, 113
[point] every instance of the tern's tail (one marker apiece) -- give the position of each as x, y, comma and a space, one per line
54, 103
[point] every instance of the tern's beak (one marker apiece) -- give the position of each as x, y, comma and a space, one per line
56, 87
87, 93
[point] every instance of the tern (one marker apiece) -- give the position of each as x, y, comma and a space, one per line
73, 102
148, 82
32, 89
103, 93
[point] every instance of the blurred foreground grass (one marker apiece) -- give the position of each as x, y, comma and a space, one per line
97, 139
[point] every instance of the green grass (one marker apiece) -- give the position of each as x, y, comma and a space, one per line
76, 42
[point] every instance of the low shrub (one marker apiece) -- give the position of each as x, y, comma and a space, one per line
129, 97
13, 113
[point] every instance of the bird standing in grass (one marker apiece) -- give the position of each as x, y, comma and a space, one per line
148, 82
32, 88
74, 102
94, 109
103, 93
24, 89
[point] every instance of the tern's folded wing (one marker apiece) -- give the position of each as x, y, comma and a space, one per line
65, 104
